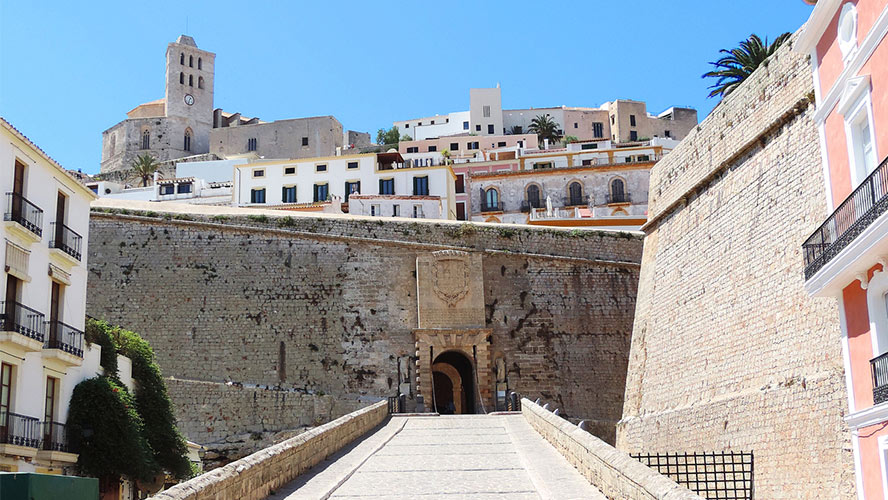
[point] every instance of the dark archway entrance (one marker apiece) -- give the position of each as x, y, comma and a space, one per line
454, 381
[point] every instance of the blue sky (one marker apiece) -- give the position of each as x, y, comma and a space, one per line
69, 70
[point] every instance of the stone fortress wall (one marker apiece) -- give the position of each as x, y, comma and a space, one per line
261, 321
728, 351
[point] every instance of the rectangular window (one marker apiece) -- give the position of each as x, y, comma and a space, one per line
421, 186
576, 125
465, 125
49, 406
433, 149
471, 145
489, 129
288, 194
166, 189
501, 144
460, 183
417, 212
461, 211
598, 129
352, 165
587, 163
257, 195
5, 396
433, 122
260, 172
419, 124
352, 188
633, 135
406, 125
251, 144
396, 210
454, 146
537, 166
631, 120
477, 128
612, 119
289, 170
413, 149
375, 210
321, 192
668, 133
305, 142
485, 110
386, 186
321, 168
183, 188
591, 145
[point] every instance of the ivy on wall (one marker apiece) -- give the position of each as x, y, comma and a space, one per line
122, 434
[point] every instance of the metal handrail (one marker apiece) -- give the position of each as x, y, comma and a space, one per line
64, 337
16, 317
54, 437
66, 240
19, 430
618, 198
879, 371
496, 207
29, 215
856, 213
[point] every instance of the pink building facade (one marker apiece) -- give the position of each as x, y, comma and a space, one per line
847, 256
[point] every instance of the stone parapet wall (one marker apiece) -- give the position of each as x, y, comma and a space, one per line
256, 476
766, 98
613, 472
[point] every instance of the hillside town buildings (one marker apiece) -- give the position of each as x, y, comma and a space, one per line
847, 255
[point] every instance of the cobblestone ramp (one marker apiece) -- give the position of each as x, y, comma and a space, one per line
447, 457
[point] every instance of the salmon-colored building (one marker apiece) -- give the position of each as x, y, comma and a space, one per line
847, 257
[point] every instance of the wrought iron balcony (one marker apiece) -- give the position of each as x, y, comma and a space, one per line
55, 437
491, 207
879, 369
19, 430
22, 211
64, 337
66, 240
15, 317
575, 201
528, 205
618, 198
856, 213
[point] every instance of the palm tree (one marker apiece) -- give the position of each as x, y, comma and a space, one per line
144, 167
737, 64
446, 155
544, 127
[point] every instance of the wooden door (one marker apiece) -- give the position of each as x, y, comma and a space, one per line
12, 285
60, 220
18, 189
5, 392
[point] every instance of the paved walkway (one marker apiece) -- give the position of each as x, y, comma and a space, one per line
448, 458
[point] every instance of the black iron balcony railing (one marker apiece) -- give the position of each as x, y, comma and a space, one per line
19, 209
618, 198
55, 438
64, 337
15, 317
856, 213
66, 240
574, 201
491, 207
879, 369
528, 205
19, 430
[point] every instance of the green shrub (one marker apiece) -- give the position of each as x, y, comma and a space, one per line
99, 332
258, 218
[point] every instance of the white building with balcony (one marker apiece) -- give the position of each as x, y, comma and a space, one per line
42, 311
310, 183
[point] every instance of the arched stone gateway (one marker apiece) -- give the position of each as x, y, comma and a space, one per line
452, 346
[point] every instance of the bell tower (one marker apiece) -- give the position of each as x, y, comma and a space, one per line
189, 82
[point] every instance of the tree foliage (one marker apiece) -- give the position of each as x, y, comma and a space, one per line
151, 409
144, 167
544, 127
737, 64
390, 136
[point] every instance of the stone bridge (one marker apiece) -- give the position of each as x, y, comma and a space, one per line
532, 454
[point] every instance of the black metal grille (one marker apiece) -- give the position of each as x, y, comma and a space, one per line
856, 213
879, 369
491, 207
64, 337
15, 317
618, 198
55, 438
723, 475
574, 201
66, 240
19, 209
19, 430
396, 404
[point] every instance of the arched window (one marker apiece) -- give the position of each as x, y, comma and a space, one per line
187, 142
191, 80
575, 189
182, 78
491, 200
146, 139
618, 191
200, 82
533, 196
190, 61
182, 58
199, 63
